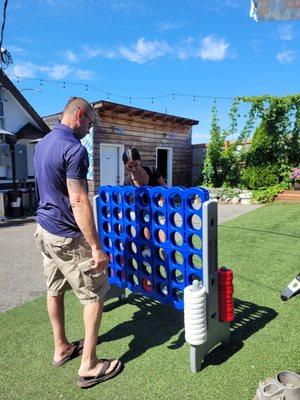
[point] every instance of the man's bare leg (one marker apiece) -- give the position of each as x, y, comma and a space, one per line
56, 311
90, 365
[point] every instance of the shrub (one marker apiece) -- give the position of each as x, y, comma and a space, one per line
266, 195
232, 168
260, 177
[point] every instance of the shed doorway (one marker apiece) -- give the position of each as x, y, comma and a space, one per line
111, 164
164, 163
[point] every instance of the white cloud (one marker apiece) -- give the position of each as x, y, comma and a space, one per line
187, 48
140, 52
214, 49
286, 32
84, 75
94, 52
209, 48
70, 56
24, 70
30, 70
285, 57
53, 71
143, 50
57, 71
169, 26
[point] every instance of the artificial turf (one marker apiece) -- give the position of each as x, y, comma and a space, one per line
262, 248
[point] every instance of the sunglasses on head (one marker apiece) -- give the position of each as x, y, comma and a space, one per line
91, 122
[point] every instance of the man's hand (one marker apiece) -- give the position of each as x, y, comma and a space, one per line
100, 260
140, 176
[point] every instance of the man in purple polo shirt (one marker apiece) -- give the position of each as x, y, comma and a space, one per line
68, 240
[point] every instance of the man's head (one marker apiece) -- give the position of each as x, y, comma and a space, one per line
79, 116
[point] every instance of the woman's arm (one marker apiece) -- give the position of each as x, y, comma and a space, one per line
161, 181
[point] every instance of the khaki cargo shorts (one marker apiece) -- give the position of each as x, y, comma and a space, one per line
68, 264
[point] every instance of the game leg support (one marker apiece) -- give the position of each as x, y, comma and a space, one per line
217, 332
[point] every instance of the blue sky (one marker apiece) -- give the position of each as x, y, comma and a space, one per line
145, 48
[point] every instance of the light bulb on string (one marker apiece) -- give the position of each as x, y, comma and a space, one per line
130, 99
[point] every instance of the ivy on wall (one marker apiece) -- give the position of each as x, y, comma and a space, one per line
275, 141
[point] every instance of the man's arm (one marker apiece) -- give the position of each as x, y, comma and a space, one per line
83, 214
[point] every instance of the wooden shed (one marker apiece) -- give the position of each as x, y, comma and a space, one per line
163, 140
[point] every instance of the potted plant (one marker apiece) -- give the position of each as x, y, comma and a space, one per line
295, 176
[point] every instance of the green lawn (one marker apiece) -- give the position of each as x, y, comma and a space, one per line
263, 249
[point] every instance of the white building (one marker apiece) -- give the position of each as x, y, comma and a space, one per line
18, 117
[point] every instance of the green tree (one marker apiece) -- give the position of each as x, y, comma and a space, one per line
213, 173
293, 143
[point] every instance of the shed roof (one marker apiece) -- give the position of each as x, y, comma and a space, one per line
140, 112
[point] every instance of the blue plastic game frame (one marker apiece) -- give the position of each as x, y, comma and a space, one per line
153, 237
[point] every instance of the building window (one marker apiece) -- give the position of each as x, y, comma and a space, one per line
1, 109
5, 161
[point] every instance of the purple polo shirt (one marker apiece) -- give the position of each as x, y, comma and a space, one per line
58, 156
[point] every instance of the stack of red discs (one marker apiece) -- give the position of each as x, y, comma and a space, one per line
226, 309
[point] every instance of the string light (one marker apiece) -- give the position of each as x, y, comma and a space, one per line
41, 84
129, 98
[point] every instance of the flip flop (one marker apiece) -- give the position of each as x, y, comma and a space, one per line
79, 345
76, 350
88, 381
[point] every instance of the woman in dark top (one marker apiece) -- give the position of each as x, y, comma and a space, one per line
140, 175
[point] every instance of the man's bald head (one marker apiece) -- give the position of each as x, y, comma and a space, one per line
77, 102
78, 115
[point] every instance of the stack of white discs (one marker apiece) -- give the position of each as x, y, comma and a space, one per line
195, 314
